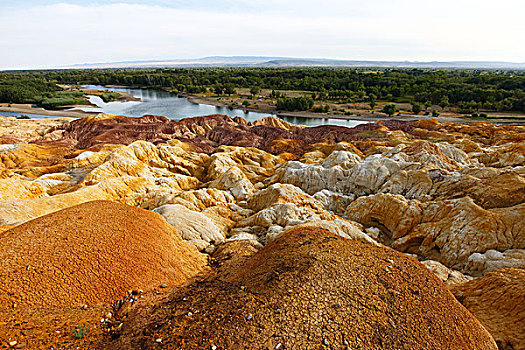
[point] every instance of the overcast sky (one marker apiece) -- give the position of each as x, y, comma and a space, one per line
40, 34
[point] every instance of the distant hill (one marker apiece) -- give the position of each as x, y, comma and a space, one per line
262, 61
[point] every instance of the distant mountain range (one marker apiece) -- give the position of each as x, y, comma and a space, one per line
261, 61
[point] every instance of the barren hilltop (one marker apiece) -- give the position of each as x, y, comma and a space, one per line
218, 233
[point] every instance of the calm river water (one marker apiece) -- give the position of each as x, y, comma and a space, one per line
159, 102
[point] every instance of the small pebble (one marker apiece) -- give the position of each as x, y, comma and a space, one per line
289, 291
249, 317
109, 315
213, 347
158, 340
163, 285
325, 342
278, 346
13, 343
309, 308
190, 313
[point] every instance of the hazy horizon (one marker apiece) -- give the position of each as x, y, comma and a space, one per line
52, 34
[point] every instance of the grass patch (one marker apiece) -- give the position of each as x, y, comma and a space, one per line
59, 99
110, 96
80, 331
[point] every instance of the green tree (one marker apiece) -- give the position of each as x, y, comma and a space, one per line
294, 104
416, 108
389, 109
372, 101
218, 88
444, 102
254, 90
435, 113
229, 89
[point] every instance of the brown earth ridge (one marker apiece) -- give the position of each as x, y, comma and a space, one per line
450, 195
310, 288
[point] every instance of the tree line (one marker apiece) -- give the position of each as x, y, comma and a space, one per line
466, 90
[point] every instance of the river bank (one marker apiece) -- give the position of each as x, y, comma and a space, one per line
29, 109
124, 96
497, 118
257, 106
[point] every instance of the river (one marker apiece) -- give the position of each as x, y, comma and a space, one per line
159, 102
168, 104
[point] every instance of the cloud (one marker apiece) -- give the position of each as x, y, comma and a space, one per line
80, 32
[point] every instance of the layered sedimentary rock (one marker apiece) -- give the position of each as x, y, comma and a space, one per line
448, 276
195, 228
449, 192
31, 130
91, 253
450, 195
310, 289
450, 231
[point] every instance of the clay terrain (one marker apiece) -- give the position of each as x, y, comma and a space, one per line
218, 233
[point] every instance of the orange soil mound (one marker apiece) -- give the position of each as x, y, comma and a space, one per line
310, 289
91, 253
40, 328
498, 302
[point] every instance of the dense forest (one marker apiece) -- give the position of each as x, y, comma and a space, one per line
466, 90
35, 89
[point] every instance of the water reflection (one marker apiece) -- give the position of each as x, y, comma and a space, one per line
168, 104
321, 121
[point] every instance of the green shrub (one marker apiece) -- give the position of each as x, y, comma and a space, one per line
321, 109
110, 96
80, 331
389, 109
416, 108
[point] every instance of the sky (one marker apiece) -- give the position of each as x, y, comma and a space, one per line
49, 34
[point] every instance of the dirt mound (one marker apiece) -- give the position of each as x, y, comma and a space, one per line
91, 253
497, 301
310, 289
